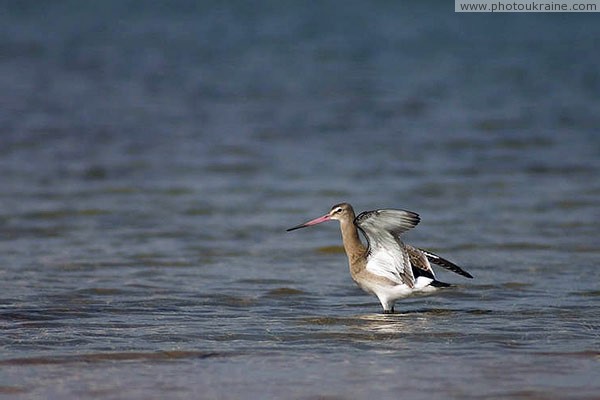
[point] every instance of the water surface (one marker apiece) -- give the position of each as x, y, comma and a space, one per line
152, 157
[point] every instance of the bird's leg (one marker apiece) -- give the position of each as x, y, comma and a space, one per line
388, 306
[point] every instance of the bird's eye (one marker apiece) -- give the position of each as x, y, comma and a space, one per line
338, 210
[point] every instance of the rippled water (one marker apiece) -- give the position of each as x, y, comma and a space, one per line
152, 157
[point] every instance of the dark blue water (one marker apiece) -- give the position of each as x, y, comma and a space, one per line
153, 154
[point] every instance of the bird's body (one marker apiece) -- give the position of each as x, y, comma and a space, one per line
386, 266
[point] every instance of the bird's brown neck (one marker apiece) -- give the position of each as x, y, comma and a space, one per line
354, 248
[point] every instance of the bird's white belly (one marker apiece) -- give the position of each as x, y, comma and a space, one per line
393, 292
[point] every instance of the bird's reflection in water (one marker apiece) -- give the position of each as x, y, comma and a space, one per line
398, 323
374, 324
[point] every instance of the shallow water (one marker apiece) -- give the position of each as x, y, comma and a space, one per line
153, 158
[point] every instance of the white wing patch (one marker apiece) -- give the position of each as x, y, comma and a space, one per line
392, 263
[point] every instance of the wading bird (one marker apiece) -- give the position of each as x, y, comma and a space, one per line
386, 266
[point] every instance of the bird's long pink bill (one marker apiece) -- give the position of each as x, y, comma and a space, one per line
315, 221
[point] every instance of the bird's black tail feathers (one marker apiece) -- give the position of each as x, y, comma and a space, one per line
439, 284
442, 262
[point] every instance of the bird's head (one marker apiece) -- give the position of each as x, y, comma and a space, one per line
341, 211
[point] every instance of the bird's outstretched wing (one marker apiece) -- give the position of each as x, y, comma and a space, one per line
387, 255
442, 262
390, 221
